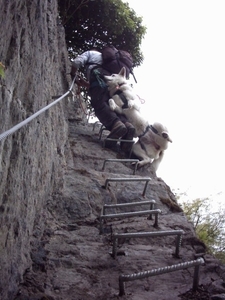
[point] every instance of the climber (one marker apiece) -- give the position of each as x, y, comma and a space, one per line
118, 126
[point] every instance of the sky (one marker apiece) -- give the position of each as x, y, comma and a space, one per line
182, 81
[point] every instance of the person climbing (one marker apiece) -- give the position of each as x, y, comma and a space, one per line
118, 126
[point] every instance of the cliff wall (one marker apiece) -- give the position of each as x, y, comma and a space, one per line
32, 159
52, 187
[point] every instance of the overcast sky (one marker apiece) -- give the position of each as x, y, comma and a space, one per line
182, 82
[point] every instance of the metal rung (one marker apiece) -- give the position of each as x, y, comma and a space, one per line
129, 204
118, 236
130, 180
95, 124
155, 212
121, 160
168, 269
118, 140
109, 139
101, 130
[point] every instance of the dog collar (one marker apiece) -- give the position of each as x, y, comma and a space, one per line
147, 129
153, 129
119, 85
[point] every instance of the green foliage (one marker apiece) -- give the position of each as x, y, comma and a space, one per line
2, 67
96, 23
209, 225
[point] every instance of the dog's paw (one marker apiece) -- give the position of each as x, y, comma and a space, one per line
143, 162
140, 164
112, 104
130, 104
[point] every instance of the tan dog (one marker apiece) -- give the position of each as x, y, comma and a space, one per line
152, 139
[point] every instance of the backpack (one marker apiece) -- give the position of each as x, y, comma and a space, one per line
113, 60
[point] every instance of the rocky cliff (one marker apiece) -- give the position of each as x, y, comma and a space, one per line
32, 160
54, 243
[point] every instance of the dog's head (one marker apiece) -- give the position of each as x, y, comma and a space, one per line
161, 130
115, 81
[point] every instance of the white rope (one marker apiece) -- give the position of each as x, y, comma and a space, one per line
21, 124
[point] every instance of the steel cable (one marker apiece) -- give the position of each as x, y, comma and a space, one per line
21, 124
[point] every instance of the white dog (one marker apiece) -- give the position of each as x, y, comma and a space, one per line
152, 139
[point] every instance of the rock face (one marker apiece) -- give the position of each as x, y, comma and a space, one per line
53, 188
32, 160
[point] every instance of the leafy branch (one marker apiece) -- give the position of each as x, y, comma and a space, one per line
2, 68
68, 11
209, 226
96, 23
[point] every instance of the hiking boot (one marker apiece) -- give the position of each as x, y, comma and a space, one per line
118, 130
126, 147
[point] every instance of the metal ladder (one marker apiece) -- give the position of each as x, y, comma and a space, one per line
150, 234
